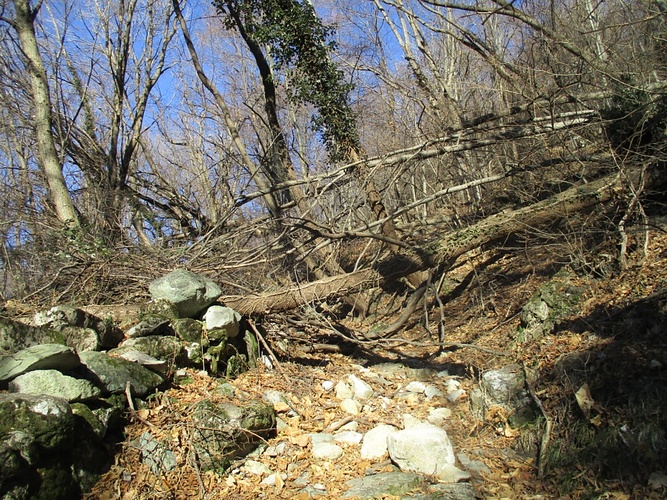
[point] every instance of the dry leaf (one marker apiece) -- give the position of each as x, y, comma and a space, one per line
303, 440
143, 413
279, 482
585, 399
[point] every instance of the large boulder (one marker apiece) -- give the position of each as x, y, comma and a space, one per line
406, 449
113, 374
81, 330
36, 432
15, 336
35, 425
191, 293
38, 357
222, 318
54, 383
222, 432
505, 388
46, 449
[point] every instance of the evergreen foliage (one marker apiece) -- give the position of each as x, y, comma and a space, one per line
301, 46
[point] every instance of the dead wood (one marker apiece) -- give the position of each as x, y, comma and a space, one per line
440, 253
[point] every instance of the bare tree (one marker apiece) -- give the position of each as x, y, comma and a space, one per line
24, 24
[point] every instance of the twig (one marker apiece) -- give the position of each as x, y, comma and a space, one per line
128, 395
334, 426
442, 345
260, 337
546, 436
192, 457
130, 403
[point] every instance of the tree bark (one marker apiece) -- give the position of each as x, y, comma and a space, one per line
443, 252
24, 24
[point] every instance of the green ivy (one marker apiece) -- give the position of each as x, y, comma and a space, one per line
301, 46
636, 118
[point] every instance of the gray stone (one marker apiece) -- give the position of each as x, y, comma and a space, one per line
362, 391
95, 422
165, 348
189, 292
344, 391
223, 318
438, 416
221, 433
38, 357
381, 485
81, 339
143, 359
406, 449
274, 397
150, 325
327, 451
447, 491
35, 425
189, 330
54, 383
348, 437
416, 386
431, 392
156, 455
112, 374
552, 302
374, 444
15, 336
504, 387
351, 406
64, 317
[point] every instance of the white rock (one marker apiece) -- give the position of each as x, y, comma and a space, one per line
348, 437
271, 479
374, 444
452, 474
327, 451
350, 426
452, 385
343, 391
416, 386
276, 450
256, 468
222, 317
321, 437
454, 396
407, 449
327, 385
362, 391
438, 416
431, 392
351, 406
410, 421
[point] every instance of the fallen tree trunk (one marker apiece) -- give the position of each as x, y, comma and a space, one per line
442, 252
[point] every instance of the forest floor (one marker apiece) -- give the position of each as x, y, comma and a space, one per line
616, 342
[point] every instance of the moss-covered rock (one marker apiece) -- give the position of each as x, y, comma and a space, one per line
549, 305
223, 432
15, 336
113, 374
188, 330
36, 426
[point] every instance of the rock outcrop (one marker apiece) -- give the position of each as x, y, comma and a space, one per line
67, 399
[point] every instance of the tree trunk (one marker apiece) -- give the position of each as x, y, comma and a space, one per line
443, 252
60, 196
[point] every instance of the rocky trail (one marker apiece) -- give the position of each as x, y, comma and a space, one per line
546, 385
610, 348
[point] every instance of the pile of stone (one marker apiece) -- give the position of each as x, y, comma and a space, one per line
69, 378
